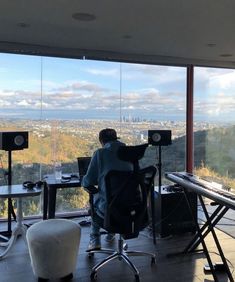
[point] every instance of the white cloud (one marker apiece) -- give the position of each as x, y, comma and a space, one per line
4, 103
80, 86
157, 74
39, 104
223, 81
210, 80
220, 104
6, 93
23, 103
104, 72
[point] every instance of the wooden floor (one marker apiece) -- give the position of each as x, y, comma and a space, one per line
15, 267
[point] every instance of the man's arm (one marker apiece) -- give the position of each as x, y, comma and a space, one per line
91, 177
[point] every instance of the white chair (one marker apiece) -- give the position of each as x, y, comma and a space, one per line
53, 248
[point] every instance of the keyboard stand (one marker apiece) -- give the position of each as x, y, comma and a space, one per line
199, 237
215, 217
188, 183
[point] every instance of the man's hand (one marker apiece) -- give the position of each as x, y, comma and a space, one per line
91, 189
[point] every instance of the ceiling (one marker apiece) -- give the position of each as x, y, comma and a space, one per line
175, 32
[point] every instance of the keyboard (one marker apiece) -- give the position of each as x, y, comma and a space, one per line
209, 189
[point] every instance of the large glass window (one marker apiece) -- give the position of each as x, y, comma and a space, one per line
154, 97
214, 124
20, 104
64, 103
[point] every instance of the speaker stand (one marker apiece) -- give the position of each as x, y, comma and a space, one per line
159, 166
10, 210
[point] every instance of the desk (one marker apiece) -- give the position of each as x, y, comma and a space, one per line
18, 192
49, 193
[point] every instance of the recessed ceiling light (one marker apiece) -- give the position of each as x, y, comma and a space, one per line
84, 17
226, 55
127, 36
211, 44
23, 25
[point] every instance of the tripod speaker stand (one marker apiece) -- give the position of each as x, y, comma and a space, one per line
158, 138
12, 141
10, 210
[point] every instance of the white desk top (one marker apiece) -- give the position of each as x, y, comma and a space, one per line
18, 191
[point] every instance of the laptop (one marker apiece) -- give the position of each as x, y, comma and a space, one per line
83, 164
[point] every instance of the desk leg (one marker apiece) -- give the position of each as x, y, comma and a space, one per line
45, 201
51, 202
19, 229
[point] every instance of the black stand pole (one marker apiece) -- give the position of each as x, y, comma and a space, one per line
10, 210
159, 165
153, 212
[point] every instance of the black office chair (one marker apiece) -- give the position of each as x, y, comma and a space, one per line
126, 212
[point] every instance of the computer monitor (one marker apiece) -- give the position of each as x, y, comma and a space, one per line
83, 164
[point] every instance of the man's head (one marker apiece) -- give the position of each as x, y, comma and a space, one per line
107, 135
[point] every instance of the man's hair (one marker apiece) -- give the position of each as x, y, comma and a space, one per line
107, 134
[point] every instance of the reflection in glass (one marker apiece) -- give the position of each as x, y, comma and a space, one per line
214, 124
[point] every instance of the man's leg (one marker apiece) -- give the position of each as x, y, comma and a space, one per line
94, 243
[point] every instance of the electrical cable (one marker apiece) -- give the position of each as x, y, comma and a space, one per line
230, 263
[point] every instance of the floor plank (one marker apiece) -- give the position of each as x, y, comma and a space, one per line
179, 268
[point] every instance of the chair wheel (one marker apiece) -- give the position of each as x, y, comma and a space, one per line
125, 247
137, 278
67, 277
93, 276
153, 260
42, 279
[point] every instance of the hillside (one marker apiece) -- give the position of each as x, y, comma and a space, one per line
212, 148
214, 157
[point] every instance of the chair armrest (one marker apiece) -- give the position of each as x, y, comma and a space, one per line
91, 189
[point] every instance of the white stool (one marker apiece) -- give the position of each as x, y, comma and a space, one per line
53, 248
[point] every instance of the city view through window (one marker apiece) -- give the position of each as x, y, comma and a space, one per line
64, 103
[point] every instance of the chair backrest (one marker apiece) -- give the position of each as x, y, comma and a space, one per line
132, 154
126, 192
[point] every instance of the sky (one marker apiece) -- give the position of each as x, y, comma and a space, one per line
35, 87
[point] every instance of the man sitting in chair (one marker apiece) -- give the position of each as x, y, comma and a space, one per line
103, 160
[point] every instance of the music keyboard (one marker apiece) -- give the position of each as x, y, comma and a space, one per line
202, 187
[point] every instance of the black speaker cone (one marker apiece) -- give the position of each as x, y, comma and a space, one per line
19, 140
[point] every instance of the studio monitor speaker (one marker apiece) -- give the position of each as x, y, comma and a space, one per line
12, 141
159, 137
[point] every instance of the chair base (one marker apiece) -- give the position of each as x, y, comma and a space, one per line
64, 279
120, 254
42, 279
67, 277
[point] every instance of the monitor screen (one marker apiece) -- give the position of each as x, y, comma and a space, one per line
83, 163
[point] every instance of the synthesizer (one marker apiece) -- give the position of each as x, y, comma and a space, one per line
200, 186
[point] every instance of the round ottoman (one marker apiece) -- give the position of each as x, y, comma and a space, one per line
53, 248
